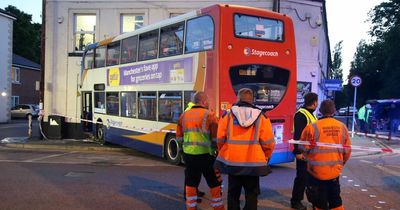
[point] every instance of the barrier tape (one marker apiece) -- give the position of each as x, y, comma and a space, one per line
340, 146
134, 128
379, 136
130, 128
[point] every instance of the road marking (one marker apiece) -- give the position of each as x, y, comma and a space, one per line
49, 156
372, 196
381, 202
389, 171
356, 185
364, 190
366, 161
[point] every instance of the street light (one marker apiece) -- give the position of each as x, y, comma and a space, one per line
4, 94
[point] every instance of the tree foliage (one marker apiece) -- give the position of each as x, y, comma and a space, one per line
337, 60
26, 35
378, 62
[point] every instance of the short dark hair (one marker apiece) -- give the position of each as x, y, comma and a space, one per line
327, 107
310, 98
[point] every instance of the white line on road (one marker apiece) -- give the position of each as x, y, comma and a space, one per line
49, 156
389, 171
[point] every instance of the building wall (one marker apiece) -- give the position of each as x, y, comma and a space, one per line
26, 88
62, 65
6, 31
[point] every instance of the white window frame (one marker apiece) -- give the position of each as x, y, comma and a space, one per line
17, 75
121, 15
14, 101
72, 26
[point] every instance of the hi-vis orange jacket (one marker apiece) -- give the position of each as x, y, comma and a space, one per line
325, 163
197, 127
245, 141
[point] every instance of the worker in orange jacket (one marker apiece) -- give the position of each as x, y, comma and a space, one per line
245, 141
197, 127
324, 164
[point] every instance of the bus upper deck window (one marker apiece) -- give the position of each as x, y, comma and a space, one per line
199, 34
171, 40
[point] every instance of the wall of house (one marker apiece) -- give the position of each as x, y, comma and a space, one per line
62, 63
6, 30
26, 88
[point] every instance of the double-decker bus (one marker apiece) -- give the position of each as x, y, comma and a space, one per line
135, 86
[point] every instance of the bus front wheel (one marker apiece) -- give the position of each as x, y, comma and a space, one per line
100, 134
172, 151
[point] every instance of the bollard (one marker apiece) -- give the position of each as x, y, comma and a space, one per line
30, 126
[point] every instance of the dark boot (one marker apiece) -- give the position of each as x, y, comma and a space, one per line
297, 205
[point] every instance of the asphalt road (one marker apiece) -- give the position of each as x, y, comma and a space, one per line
33, 179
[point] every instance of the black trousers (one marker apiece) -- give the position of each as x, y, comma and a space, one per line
300, 182
325, 193
197, 165
251, 185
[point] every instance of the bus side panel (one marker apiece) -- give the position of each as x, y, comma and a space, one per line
126, 138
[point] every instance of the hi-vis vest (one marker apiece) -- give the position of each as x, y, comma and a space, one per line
310, 117
326, 163
194, 131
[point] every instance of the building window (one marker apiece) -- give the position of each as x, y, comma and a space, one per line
131, 22
15, 75
85, 28
14, 101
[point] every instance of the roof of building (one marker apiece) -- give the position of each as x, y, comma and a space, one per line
20, 61
7, 14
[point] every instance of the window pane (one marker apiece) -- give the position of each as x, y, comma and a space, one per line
89, 60
170, 106
131, 22
147, 105
258, 27
82, 40
128, 104
172, 40
148, 43
199, 34
99, 102
268, 83
99, 58
113, 53
85, 23
112, 103
128, 50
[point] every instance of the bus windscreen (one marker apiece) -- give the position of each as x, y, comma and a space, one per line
258, 28
268, 83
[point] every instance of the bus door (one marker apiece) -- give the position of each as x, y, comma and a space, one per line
87, 112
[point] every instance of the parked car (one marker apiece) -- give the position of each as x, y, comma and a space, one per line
347, 111
24, 110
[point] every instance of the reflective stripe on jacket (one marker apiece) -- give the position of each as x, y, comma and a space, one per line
310, 117
196, 129
244, 150
326, 163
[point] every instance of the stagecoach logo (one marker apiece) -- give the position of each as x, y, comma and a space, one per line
113, 77
246, 51
260, 53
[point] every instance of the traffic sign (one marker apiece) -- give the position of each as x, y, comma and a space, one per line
333, 84
355, 81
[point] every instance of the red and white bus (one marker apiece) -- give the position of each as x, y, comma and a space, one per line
134, 86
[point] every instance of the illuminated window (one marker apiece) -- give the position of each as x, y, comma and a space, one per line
131, 22
85, 28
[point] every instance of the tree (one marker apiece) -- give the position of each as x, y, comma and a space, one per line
26, 35
336, 69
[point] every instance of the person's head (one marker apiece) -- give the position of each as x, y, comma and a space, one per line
200, 98
311, 100
327, 108
245, 95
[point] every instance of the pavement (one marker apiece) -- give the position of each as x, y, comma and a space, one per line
59, 144
91, 145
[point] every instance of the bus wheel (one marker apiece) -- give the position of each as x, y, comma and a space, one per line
100, 134
172, 151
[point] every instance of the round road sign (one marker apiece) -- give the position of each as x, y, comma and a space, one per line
355, 81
